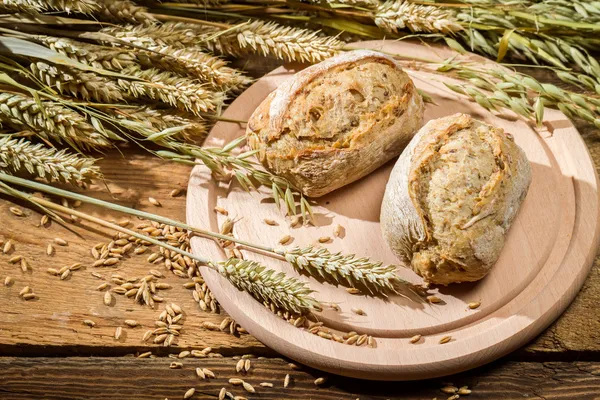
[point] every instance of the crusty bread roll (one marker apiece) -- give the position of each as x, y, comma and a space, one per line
451, 198
336, 121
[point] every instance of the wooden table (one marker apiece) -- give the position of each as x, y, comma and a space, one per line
46, 351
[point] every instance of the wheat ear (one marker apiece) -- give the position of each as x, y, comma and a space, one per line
171, 89
195, 64
394, 15
192, 130
126, 11
268, 286
85, 85
48, 163
50, 120
271, 39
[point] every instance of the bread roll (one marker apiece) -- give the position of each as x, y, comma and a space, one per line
336, 121
451, 198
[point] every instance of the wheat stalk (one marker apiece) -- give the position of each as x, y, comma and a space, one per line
268, 286
346, 270
18, 156
124, 11
85, 85
50, 120
400, 14
171, 89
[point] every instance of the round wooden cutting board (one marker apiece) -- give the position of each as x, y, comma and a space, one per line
547, 256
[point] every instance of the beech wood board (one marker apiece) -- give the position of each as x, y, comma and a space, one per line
547, 256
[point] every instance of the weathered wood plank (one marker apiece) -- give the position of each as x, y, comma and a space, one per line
132, 378
52, 324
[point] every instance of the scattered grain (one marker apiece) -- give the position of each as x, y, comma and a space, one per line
371, 342
8, 246
474, 304
175, 192
189, 393
110, 261
118, 333
320, 381
184, 354
222, 394
29, 296
266, 384
154, 202
107, 298
176, 365
8, 281
337, 231
145, 355
352, 290
146, 336
247, 365
77, 204
221, 210
25, 290
208, 373
324, 239
65, 275
96, 275
271, 222
434, 299
248, 387
239, 367
358, 311
200, 373
286, 381
361, 340
89, 323
415, 339
285, 240
235, 381
132, 323
464, 391
15, 259
445, 339
16, 211
61, 242
454, 397
44, 220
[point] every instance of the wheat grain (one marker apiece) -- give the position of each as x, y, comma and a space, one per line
37, 6
8, 246
266, 384
415, 339
189, 393
445, 339
89, 323
50, 121
118, 333
286, 381
145, 355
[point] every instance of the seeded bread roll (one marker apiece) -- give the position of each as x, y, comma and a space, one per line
452, 197
336, 121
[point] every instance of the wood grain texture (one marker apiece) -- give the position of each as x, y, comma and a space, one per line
546, 257
52, 324
133, 176
133, 379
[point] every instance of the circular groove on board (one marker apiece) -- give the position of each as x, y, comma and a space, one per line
548, 253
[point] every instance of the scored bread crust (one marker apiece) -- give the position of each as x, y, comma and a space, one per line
452, 197
313, 146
